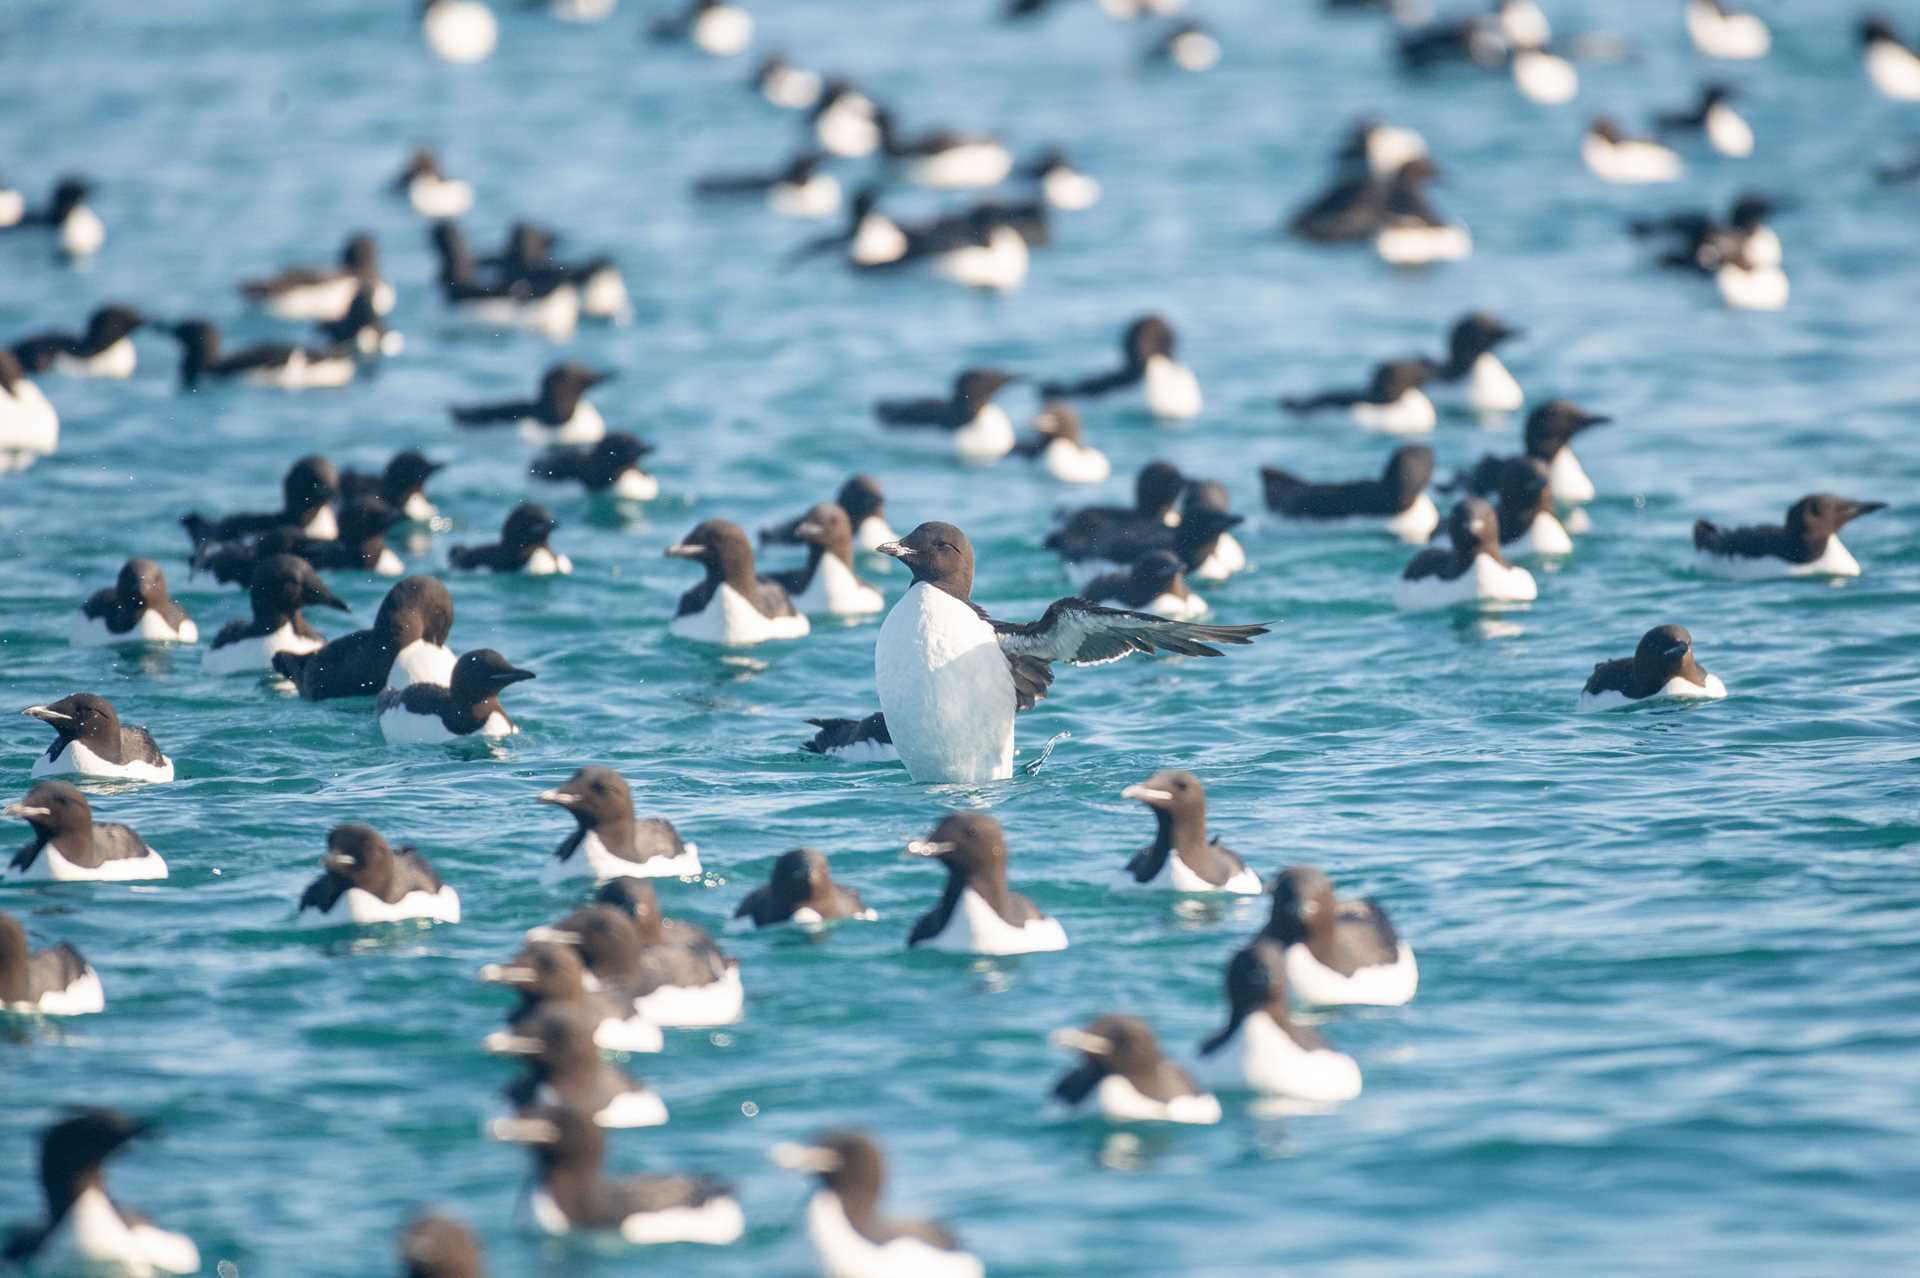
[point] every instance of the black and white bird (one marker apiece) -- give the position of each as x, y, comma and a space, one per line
362, 330
1412, 231
29, 424
799, 890
943, 159
1059, 444
1338, 952
850, 1238
1391, 403
273, 365
1613, 155
1261, 1049
1741, 255
1354, 207
1124, 1077
104, 350
77, 229
717, 27
1156, 583
1523, 502
1471, 364
1202, 540
1397, 501
1892, 65
610, 468
978, 429
560, 414
1182, 856
861, 740
280, 586
1468, 570
459, 31
564, 1067
56, 981
360, 546
136, 608
406, 644
307, 493
527, 260
468, 705
1807, 544
366, 881
572, 1194
1719, 30
1662, 668
1061, 184
672, 970
951, 678
786, 84
978, 913
866, 506
401, 483
1168, 389
90, 741
1157, 489
433, 1246
1550, 431
1186, 46
69, 846
429, 190
828, 584
321, 293
845, 121
85, 1228
1714, 117
733, 606
608, 841
799, 188
548, 975
547, 304
522, 546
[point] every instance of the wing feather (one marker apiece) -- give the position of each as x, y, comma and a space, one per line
1081, 633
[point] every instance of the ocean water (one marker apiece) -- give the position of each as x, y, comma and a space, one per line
1669, 1014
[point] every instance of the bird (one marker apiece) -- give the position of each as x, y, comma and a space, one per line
1720, 31
527, 260
548, 975
281, 585
1714, 117
978, 913
1262, 1049
786, 84
362, 331
1662, 668
828, 584
844, 120
943, 159
564, 1067
1337, 953
978, 430
609, 843
1354, 208
1741, 255
608, 468
85, 1225
522, 546
430, 191
56, 981
307, 493
1082, 534
105, 349
1169, 390
433, 1246
733, 606
271, 365
850, 1238
561, 414
360, 546
366, 882
799, 890
68, 845
1392, 403
1807, 544
1200, 538
1489, 387
29, 425
1124, 1078
78, 230
1548, 437
1612, 155
862, 740
468, 705
711, 26
322, 293
1470, 570
950, 677
406, 644
1155, 583
672, 970
1059, 444
1181, 857
461, 32
136, 608
573, 1194
90, 741
1892, 65
799, 188
1411, 231
548, 304
1186, 46
1524, 507
1061, 185
401, 483
866, 507
979, 248
1397, 501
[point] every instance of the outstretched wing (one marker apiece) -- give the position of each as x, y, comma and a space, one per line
1085, 634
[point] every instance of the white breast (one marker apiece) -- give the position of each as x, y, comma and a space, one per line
93, 1233
437, 197
971, 164
322, 300
1194, 51
696, 1007
1186, 607
388, 564
1732, 36
1546, 535
1384, 985
988, 437
723, 30
1491, 388
82, 997
116, 362
82, 232
461, 31
1675, 689
1411, 414
1121, 1102
847, 128
1835, 561
792, 88
835, 591
421, 662
873, 533
1001, 265
1486, 582
730, 619
1630, 163
51, 867
252, 656
641, 1108
1727, 132
400, 726
945, 688
715, 1223
592, 860
1171, 390
360, 908
1894, 71
544, 562
818, 196
1416, 523
77, 759
586, 426
877, 240
975, 927
1068, 191
1567, 479
632, 1033
1264, 1057
1544, 77
605, 296
844, 1252
28, 423
1763, 288
1075, 463
1228, 557
13, 206
92, 632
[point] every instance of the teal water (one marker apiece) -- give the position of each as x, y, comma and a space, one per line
1670, 1001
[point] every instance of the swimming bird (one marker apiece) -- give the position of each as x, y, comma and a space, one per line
13, 205
1168, 388
361, 546
322, 293
1261, 1049
440, 1247
365, 881
561, 414
785, 84
1397, 501
548, 975
673, 971
29, 426
273, 365
522, 546
1612, 155
280, 586
1662, 668
136, 608
90, 741
844, 120
733, 606
1719, 30
1550, 431
943, 159
1489, 387
1806, 545
1392, 402
361, 330
401, 483
1892, 65
978, 913
608, 468
1354, 208
527, 260
1059, 443
547, 304
1186, 46
850, 1238
1412, 232
407, 643
307, 493
1337, 952
1523, 503
459, 31
1061, 185
104, 350
78, 230
711, 26
828, 585
1741, 255
800, 890
865, 740
56, 981
1715, 118
85, 1226
429, 190
564, 1067
1181, 857
1156, 583
950, 677
798, 188
573, 1194
608, 842
468, 705
977, 428
1209, 546
68, 845
866, 506
1084, 534
1123, 1076
1469, 570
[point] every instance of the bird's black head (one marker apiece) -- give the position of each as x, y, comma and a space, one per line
361, 256
141, 581
1607, 129
1155, 574
54, 809
440, 1247
112, 322
527, 525
365, 518
976, 386
310, 483
938, 554
798, 875
1752, 209
720, 547
1823, 514
1875, 27
283, 584
1524, 488
1157, 488
1303, 904
1057, 419
416, 608
407, 473
1146, 337
72, 1150
1114, 1043
1396, 377
480, 675
358, 854
1474, 528
1552, 426
861, 497
969, 844
596, 796
1409, 471
847, 1162
1474, 335
69, 193
1665, 653
1172, 791
827, 527
80, 716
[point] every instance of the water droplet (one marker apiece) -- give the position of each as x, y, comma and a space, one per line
749, 1109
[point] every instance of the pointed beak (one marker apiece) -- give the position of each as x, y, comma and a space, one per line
684, 550
51, 716
501, 1043
558, 798
551, 936
924, 847
319, 595
25, 812
338, 862
598, 375
524, 1131
1855, 509
507, 678
895, 549
1677, 650
1075, 1040
810, 1159
806, 530
503, 974
1146, 794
